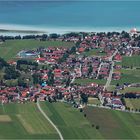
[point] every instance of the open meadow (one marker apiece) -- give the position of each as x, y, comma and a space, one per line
133, 61
133, 103
94, 52
10, 48
128, 76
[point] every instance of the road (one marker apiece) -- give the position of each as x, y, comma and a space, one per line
99, 70
44, 114
111, 70
110, 76
106, 107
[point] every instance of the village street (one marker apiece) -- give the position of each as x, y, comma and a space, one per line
99, 70
109, 77
106, 107
111, 70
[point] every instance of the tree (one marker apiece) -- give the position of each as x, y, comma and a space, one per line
36, 78
22, 82
64, 57
73, 50
68, 82
81, 110
3, 63
92, 125
97, 127
11, 73
50, 77
84, 98
54, 36
117, 84
123, 101
90, 69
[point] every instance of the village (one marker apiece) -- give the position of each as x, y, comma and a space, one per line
61, 67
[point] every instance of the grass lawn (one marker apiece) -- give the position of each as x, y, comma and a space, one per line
70, 121
118, 63
128, 76
130, 89
133, 103
10, 48
94, 52
24, 121
114, 124
87, 81
133, 61
111, 88
93, 101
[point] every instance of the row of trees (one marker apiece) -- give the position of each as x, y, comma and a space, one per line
3, 63
11, 73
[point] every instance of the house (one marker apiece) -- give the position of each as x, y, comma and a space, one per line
57, 73
81, 49
118, 57
40, 60
116, 103
116, 75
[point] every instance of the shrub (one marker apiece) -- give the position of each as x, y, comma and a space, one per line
81, 110
97, 127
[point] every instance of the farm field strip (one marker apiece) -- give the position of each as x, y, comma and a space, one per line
25, 122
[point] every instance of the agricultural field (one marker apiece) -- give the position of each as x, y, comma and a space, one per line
88, 81
131, 62
10, 48
24, 121
114, 124
70, 121
128, 76
133, 103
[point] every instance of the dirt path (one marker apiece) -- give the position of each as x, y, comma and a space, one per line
44, 114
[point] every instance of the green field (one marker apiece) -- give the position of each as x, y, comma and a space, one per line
94, 101
24, 121
114, 124
130, 89
70, 121
87, 81
133, 61
10, 48
133, 103
111, 88
94, 52
128, 76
